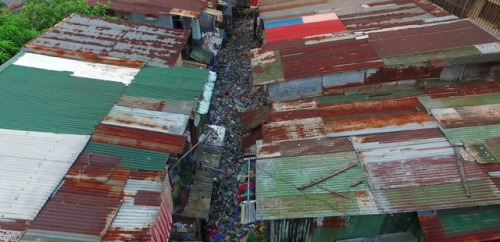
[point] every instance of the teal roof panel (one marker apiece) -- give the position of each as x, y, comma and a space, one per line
54, 101
131, 158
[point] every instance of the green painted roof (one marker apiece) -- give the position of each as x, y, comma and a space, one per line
52, 101
456, 55
178, 84
266, 72
462, 101
278, 179
370, 225
474, 133
132, 158
369, 96
442, 196
469, 220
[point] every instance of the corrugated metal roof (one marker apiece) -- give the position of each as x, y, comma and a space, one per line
189, 8
83, 207
254, 118
139, 139
278, 196
12, 230
155, 105
32, 165
76, 104
304, 147
389, 14
304, 61
178, 86
439, 196
299, 104
297, 31
464, 224
111, 42
77, 68
462, 89
359, 12
328, 58
293, 130
366, 117
131, 158
267, 67
429, 38
459, 101
164, 122
132, 218
467, 116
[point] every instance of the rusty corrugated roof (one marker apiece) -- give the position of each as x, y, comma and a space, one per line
360, 14
461, 225
429, 38
86, 203
189, 8
111, 42
139, 139
365, 117
303, 61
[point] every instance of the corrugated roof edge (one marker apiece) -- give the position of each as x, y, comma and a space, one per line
92, 57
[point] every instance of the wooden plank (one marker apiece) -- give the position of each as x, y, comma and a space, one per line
346, 167
461, 170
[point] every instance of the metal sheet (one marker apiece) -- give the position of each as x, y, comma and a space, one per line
155, 104
344, 78
170, 123
132, 217
368, 117
32, 165
464, 224
304, 147
328, 58
77, 68
92, 203
407, 152
429, 38
293, 130
435, 197
267, 66
131, 158
111, 42
397, 139
254, 118
467, 116
139, 139
299, 104
295, 89
298, 31
54, 101
278, 196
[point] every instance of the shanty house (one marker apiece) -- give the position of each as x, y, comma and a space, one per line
104, 118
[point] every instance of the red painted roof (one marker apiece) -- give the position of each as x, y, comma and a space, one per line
303, 30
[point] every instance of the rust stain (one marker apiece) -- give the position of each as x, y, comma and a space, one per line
419, 73
139, 139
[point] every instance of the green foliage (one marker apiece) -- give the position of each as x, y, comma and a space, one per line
17, 28
44, 14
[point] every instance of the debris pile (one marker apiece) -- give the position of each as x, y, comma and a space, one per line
233, 94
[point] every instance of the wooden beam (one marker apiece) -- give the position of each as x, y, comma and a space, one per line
334, 192
346, 167
461, 171
356, 183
